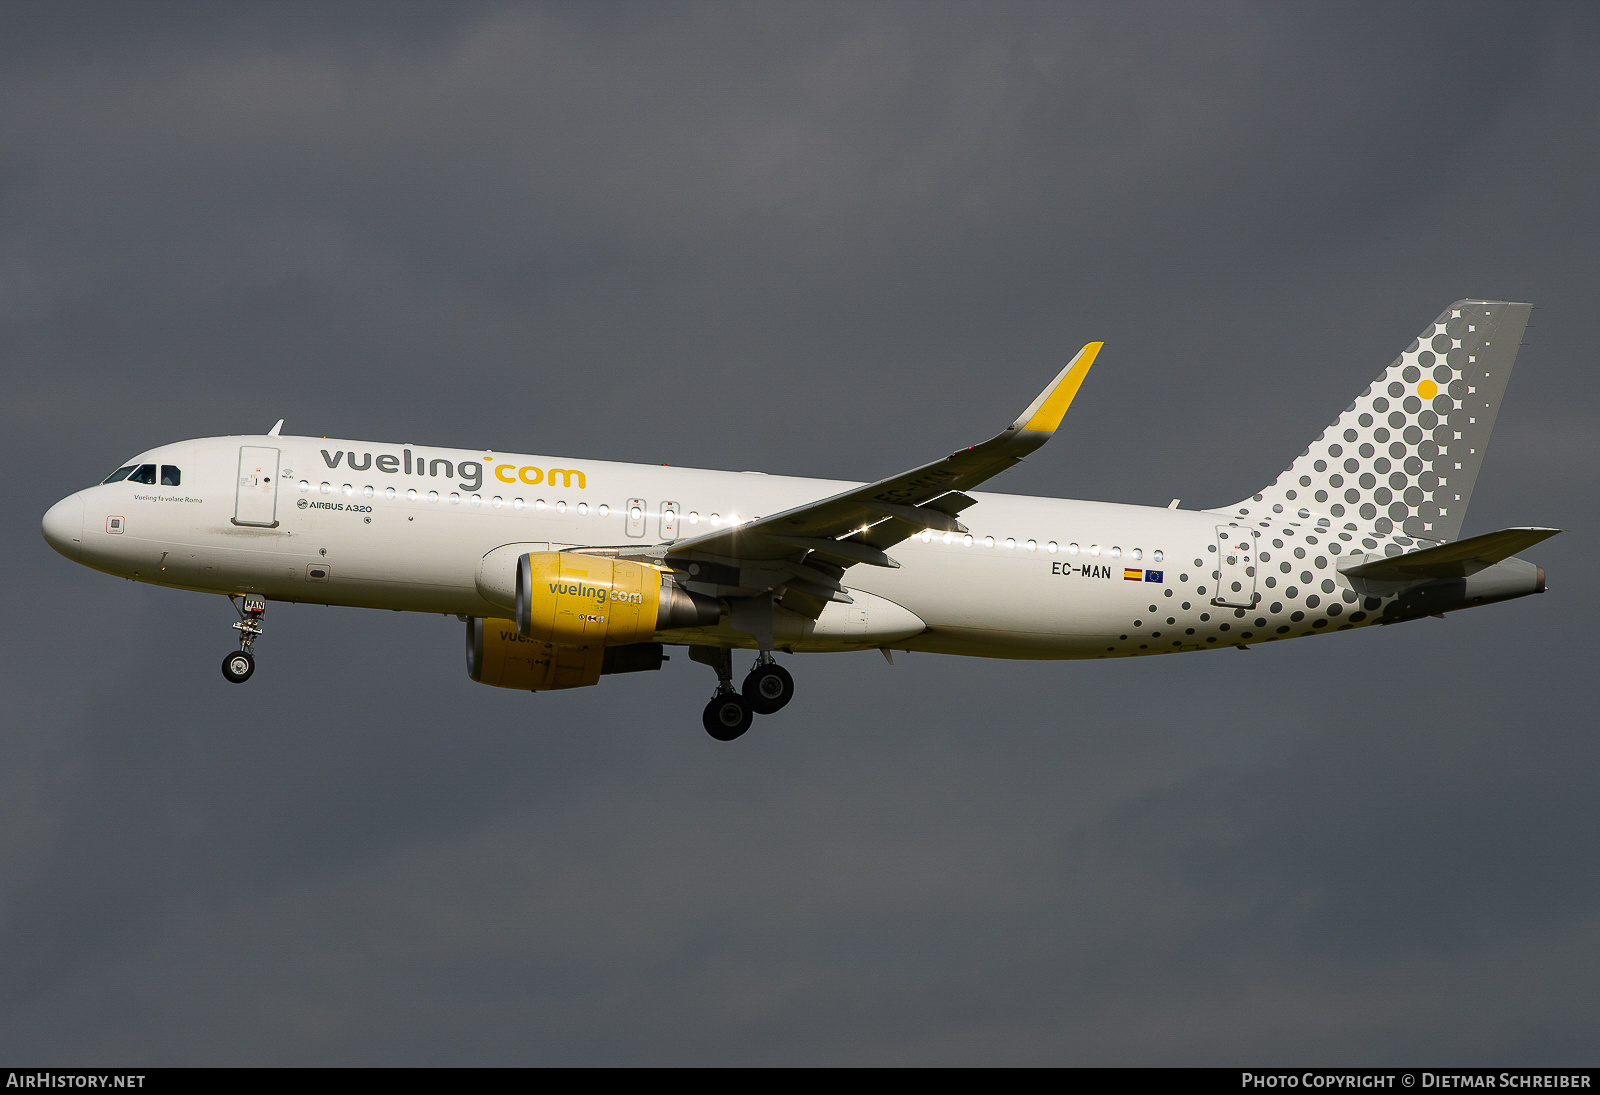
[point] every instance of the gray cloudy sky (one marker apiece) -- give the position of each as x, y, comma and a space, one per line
830, 239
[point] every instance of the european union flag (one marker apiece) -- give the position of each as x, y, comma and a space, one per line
1153, 576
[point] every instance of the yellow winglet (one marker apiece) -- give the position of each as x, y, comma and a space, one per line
1045, 413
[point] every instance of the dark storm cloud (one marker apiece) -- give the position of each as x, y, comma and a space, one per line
704, 141
818, 239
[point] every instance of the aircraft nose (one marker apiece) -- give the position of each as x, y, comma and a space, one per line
63, 526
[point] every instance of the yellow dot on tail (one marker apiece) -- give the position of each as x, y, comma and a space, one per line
1427, 389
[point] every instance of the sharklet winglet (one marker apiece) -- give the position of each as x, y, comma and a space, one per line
1044, 414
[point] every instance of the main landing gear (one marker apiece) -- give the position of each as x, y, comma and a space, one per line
769, 688
727, 716
766, 690
239, 665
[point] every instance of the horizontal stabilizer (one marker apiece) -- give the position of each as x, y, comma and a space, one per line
1457, 560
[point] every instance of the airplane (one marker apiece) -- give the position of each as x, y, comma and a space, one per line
566, 570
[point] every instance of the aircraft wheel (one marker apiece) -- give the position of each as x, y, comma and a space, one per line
238, 666
768, 688
727, 716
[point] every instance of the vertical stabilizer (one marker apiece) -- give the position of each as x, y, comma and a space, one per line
1405, 455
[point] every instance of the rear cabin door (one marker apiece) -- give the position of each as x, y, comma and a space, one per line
256, 504
1236, 567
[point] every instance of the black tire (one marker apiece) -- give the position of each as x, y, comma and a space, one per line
727, 716
769, 688
238, 666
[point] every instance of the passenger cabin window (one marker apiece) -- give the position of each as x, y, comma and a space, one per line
120, 474
170, 476
144, 473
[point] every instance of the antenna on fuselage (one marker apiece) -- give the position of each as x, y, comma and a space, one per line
274, 431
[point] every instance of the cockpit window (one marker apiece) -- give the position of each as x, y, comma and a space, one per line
144, 473
120, 474
170, 476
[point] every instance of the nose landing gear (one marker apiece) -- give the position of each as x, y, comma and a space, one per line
238, 666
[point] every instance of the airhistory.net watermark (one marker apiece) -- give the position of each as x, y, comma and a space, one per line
49, 1079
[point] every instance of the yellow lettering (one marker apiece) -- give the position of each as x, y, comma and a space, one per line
500, 473
566, 477
522, 473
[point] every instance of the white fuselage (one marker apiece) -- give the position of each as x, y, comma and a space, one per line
392, 526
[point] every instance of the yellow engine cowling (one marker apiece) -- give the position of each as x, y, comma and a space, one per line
571, 599
498, 654
579, 617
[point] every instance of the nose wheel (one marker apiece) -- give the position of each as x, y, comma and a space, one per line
238, 666
252, 608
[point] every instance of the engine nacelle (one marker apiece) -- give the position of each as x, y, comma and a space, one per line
569, 599
498, 654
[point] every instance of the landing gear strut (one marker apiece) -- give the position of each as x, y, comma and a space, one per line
767, 689
239, 665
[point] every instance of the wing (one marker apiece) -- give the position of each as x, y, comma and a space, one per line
807, 548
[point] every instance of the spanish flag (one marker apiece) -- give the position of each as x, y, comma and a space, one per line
1132, 574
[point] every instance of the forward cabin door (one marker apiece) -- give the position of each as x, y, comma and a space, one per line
256, 504
1236, 567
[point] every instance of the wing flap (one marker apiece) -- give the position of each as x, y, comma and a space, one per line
850, 551
921, 516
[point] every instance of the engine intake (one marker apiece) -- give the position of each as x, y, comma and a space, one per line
569, 599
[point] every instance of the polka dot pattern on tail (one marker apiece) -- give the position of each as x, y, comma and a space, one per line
1405, 455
